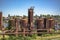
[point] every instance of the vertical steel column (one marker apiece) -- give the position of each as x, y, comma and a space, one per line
16, 24
0, 20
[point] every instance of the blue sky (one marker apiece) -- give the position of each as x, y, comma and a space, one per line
20, 7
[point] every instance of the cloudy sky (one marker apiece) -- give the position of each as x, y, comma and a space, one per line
20, 7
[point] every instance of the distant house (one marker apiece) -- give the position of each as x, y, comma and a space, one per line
57, 26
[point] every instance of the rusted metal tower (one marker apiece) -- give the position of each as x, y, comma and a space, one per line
0, 20
30, 20
30, 17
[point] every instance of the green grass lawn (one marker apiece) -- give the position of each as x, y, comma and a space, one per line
57, 37
12, 37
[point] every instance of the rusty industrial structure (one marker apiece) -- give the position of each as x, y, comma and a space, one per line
27, 25
45, 23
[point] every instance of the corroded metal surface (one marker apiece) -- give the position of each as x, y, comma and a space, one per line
0, 20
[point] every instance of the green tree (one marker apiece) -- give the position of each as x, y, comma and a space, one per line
9, 25
24, 16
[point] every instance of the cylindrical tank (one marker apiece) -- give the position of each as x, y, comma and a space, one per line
24, 23
39, 23
51, 23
